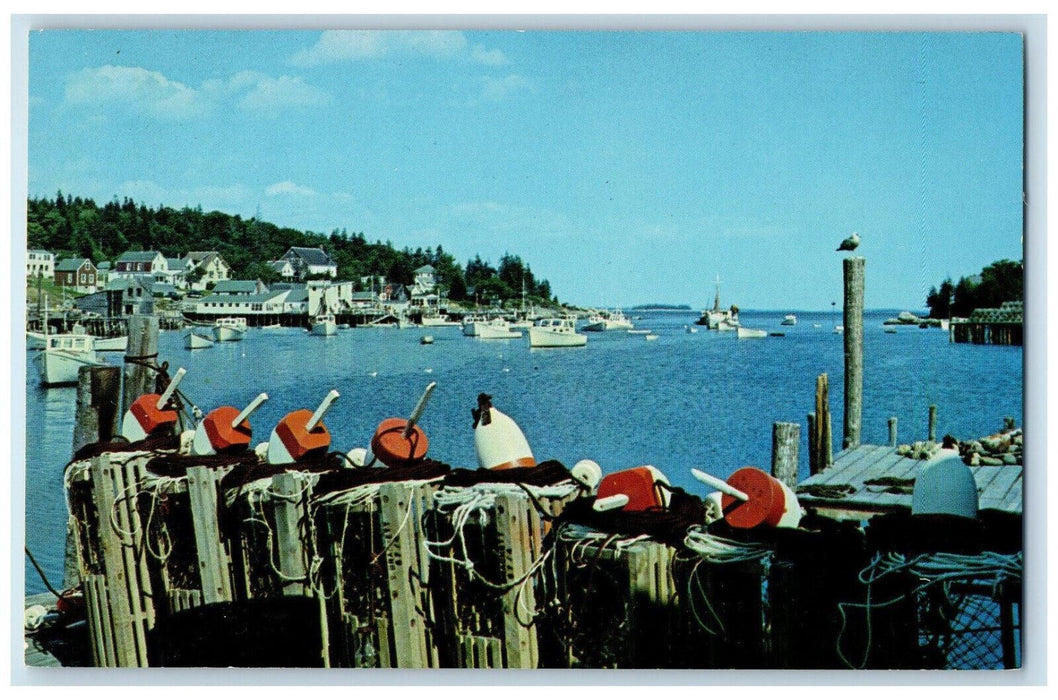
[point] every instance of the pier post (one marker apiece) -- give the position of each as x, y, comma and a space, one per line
785, 440
819, 436
813, 446
95, 420
143, 346
853, 335
892, 431
932, 433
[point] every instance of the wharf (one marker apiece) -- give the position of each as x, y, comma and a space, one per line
872, 479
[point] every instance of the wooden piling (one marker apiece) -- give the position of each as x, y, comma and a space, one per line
932, 427
143, 347
785, 441
213, 560
813, 447
853, 336
892, 431
819, 436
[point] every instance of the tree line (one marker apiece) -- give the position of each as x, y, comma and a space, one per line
71, 226
1001, 281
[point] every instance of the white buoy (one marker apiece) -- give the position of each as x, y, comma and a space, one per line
588, 474
498, 441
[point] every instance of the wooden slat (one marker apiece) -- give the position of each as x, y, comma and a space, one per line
984, 476
513, 527
404, 594
1014, 500
847, 466
289, 513
213, 562
996, 492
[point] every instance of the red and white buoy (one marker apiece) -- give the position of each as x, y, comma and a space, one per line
148, 414
752, 497
498, 441
301, 434
225, 429
636, 489
398, 442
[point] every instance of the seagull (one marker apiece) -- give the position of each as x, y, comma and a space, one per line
850, 243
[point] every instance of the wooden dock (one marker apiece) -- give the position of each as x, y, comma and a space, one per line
871, 479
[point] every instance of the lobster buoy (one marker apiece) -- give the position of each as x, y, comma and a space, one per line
398, 442
946, 486
225, 429
301, 434
359, 457
588, 474
148, 414
752, 497
644, 487
498, 441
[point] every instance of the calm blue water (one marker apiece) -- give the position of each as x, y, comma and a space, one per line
704, 400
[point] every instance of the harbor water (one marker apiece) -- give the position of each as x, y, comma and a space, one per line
705, 400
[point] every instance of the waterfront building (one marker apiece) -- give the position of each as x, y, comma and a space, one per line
214, 269
40, 262
308, 262
78, 273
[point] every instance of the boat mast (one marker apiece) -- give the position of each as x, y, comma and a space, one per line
716, 301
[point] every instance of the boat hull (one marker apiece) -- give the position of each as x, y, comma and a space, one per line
58, 367
36, 341
487, 333
325, 328
434, 321
194, 341
546, 338
751, 333
112, 344
226, 334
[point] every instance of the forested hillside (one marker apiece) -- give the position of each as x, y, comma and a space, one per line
72, 226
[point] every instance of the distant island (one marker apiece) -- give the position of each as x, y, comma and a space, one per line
661, 307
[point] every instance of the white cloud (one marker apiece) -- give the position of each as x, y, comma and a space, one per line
287, 187
496, 89
490, 57
151, 93
144, 91
337, 45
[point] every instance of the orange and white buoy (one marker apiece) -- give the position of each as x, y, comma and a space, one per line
148, 414
301, 434
635, 489
752, 497
225, 429
498, 441
398, 442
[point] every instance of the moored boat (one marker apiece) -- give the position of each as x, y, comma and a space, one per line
63, 355
744, 332
497, 329
324, 325
472, 325
229, 328
119, 344
195, 339
556, 333
608, 321
789, 320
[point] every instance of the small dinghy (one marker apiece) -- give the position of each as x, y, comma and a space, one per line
195, 340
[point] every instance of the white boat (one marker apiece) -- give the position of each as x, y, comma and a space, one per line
63, 355
195, 339
789, 320
324, 325
426, 340
272, 327
690, 329
636, 331
727, 325
119, 344
229, 328
838, 330
651, 336
556, 333
608, 321
434, 320
472, 325
497, 329
36, 341
744, 332
717, 319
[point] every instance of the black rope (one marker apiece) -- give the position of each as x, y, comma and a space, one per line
40, 572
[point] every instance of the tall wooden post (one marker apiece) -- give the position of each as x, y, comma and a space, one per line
819, 428
785, 441
892, 431
813, 446
143, 345
932, 432
853, 320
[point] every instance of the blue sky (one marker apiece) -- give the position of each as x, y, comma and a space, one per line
625, 167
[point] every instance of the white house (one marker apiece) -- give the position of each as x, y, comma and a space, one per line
243, 304
142, 263
40, 262
284, 267
214, 268
311, 261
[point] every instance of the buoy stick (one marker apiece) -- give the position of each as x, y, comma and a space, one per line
322, 410
246, 412
618, 500
169, 390
419, 408
719, 484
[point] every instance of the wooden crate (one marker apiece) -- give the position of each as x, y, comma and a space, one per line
488, 616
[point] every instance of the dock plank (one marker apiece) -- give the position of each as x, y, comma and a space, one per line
1014, 500
848, 465
996, 492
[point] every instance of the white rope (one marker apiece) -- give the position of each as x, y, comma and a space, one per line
720, 550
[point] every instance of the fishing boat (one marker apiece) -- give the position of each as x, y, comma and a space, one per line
636, 331
497, 329
556, 333
608, 321
229, 328
744, 332
651, 336
789, 320
36, 341
426, 340
196, 339
472, 324
324, 324
718, 319
63, 355
434, 318
838, 330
